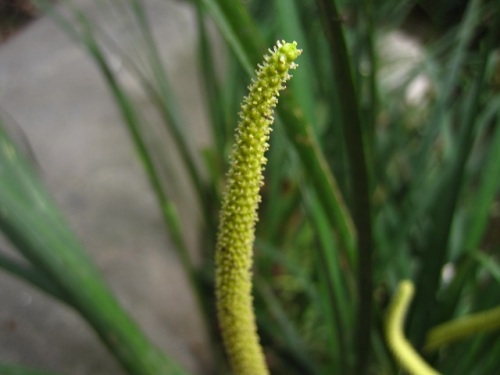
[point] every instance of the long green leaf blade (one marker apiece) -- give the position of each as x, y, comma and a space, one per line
34, 225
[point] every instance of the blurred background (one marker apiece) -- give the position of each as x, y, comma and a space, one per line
384, 165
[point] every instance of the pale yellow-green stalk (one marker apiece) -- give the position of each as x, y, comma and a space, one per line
239, 213
402, 349
460, 328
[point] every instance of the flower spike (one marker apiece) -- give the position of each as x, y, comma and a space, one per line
239, 212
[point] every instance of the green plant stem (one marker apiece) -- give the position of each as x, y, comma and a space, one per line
353, 132
301, 134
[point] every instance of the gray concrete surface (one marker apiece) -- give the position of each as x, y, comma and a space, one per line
56, 95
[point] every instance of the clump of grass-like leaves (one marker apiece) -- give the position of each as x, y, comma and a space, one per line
362, 188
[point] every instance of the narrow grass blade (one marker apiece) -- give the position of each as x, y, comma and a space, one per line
238, 29
33, 277
209, 77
